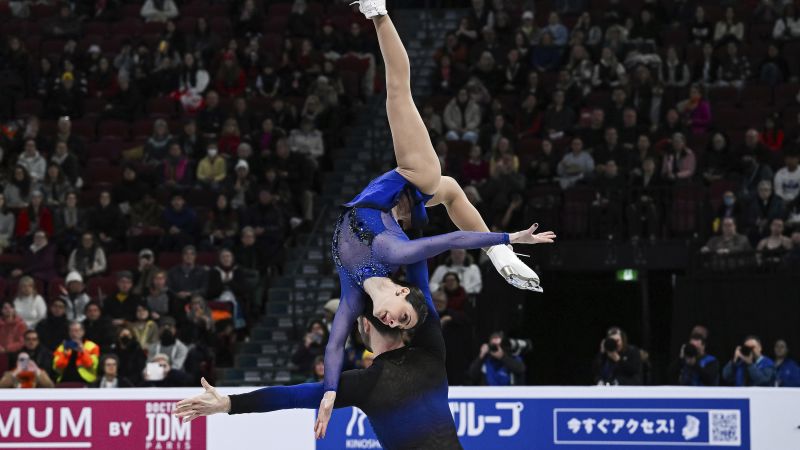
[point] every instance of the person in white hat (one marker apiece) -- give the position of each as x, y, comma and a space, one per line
74, 296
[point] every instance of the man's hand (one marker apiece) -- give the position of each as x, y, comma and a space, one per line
690, 361
208, 403
737, 354
324, 415
484, 350
749, 359
445, 320
614, 356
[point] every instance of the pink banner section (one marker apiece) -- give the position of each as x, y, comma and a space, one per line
98, 424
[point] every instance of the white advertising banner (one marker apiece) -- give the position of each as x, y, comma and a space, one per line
486, 418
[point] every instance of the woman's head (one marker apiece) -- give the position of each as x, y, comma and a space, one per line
142, 312
87, 240
719, 142
7, 310
402, 306
776, 227
451, 281
109, 366
26, 287
318, 368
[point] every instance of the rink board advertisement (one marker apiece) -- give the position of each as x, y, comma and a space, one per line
574, 423
526, 418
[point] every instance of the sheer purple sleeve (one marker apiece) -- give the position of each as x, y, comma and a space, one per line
393, 250
351, 306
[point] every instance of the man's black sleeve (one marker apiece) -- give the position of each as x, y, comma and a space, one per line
354, 388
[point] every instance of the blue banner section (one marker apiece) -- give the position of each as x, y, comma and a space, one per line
573, 424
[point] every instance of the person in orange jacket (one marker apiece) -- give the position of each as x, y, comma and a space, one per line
76, 359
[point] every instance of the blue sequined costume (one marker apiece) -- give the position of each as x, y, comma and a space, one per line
368, 243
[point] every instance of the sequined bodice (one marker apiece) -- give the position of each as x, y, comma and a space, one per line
352, 243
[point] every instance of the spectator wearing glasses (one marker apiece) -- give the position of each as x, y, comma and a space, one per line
109, 374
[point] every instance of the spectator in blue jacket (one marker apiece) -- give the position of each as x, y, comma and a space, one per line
180, 224
787, 371
697, 367
495, 365
749, 367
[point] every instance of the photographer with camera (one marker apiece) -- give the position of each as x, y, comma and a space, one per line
749, 367
499, 363
696, 367
618, 362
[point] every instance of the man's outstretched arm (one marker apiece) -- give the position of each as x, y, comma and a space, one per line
354, 386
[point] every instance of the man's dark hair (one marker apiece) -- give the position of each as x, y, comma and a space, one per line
417, 300
30, 332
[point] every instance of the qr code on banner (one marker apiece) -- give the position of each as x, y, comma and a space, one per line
726, 427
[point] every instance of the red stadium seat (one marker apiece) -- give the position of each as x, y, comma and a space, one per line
84, 128
114, 128
209, 259
168, 260
161, 105
97, 28
108, 174
576, 211
131, 11
100, 287
54, 289
107, 148
28, 107
127, 27
94, 106
123, 261
685, 210
279, 9
786, 95
276, 24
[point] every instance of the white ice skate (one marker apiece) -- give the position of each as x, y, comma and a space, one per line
371, 8
510, 267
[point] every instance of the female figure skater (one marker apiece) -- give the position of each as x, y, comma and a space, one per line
369, 243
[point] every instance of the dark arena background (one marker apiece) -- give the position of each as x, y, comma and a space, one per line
172, 172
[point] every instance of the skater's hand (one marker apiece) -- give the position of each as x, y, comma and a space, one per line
528, 236
208, 403
324, 415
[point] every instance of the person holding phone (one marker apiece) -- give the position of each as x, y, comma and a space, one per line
26, 374
76, 359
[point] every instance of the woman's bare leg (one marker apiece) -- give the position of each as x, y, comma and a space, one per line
462, 213
416, 159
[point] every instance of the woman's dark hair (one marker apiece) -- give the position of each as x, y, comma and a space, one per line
23, 185
324, 329
458, 279
417, 300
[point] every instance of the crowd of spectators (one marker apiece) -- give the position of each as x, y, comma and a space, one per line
156, 159
625, 120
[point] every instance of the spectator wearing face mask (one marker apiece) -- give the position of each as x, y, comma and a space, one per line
132, 357
169, 344
26, 374
212, 169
